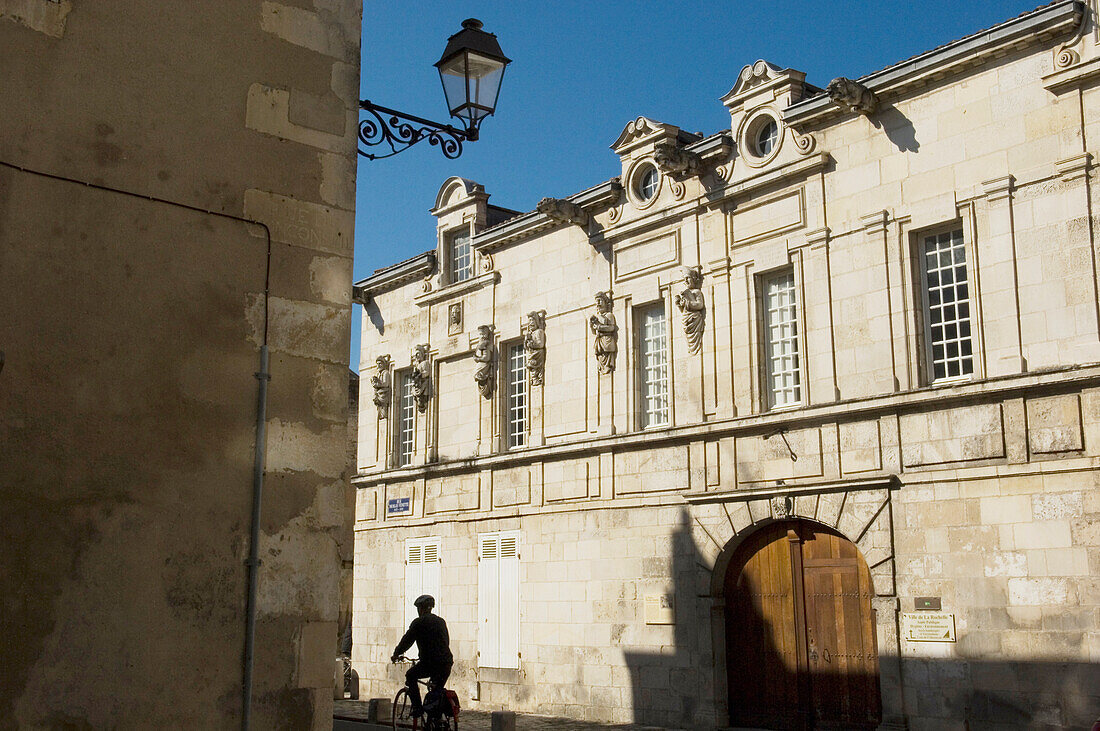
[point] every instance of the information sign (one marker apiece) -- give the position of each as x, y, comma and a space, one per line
928, 626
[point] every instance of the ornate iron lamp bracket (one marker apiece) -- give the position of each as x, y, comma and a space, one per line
400, 131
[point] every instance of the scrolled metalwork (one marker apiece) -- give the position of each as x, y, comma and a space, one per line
400, 131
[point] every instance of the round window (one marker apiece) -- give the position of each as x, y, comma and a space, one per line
767, 134
649, 180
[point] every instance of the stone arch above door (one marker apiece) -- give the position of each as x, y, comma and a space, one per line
859, 511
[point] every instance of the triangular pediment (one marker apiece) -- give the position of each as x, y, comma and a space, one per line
641, 129
752, 76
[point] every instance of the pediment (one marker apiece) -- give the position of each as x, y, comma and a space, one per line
642, 128
752, 76
454, 190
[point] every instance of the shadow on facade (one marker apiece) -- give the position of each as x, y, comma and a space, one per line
690, 684
897, 127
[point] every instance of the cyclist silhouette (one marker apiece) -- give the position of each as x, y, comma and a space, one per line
429, 632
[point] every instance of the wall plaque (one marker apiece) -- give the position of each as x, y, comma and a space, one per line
927, 602
659, 609
928, 626
399, 506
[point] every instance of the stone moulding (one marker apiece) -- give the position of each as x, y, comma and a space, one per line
1053, 20
392, 277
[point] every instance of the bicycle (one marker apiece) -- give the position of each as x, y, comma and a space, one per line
442, 718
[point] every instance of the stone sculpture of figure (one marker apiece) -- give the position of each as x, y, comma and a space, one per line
383, 389
562, 211
483, 356
674, 160
534, 344
852, 95
606, 331
421, 377
693, 307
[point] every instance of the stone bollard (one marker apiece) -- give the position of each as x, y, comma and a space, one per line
380, 710
504, 721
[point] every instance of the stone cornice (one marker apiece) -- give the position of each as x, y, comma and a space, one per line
392, 277
811, 487
528, 224
1065, 79
1037, 26
940, 397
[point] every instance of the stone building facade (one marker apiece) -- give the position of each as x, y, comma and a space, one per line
793, 424
177, 187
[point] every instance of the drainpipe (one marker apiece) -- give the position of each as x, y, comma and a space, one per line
254, 543
263, 376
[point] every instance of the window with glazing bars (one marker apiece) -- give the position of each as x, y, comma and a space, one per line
462, 258
653, 366
947, 306
781, 336
406, 421
517, 396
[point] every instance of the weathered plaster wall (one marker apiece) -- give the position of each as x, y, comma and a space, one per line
131, 326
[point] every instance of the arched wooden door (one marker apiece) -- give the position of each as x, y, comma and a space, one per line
800, 640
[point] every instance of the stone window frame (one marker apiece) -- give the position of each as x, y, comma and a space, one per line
643, 414
451, 272
403, 396
749, 130
923, 364
507, 348
634, 179
764, 343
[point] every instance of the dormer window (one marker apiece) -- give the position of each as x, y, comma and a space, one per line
461, 256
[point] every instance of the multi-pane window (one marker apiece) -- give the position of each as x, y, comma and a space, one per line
406, 420
462, 258
653, 366
498, 600
422, 576
947, 305
781, 338
517, 395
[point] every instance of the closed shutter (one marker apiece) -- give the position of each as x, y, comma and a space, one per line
509, 602
498, 600
422, 576
488, 609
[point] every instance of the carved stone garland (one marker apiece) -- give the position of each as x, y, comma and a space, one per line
693, 307
383, 386
606, 330
534, 345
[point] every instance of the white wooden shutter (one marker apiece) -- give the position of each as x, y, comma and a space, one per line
508, 647
422, 576
498, 600
488, 620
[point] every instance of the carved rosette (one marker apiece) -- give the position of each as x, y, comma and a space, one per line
693, 308
606, 330
483, 357
382, 383
421, 376
534, 345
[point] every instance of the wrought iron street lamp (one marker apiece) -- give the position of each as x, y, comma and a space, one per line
471, 69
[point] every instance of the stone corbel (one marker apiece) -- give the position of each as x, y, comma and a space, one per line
560, 210
852, 95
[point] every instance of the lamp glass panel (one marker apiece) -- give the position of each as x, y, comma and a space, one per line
471, 83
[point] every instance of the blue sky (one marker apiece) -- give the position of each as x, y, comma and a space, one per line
582, 70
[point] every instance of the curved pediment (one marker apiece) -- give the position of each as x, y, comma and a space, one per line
454, 190
751, 76
640, 129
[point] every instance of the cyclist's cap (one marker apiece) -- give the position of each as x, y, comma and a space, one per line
425, 600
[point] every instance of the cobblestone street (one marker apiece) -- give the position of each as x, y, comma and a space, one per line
480, 720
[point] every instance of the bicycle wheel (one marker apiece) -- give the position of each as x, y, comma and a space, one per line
403, 717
